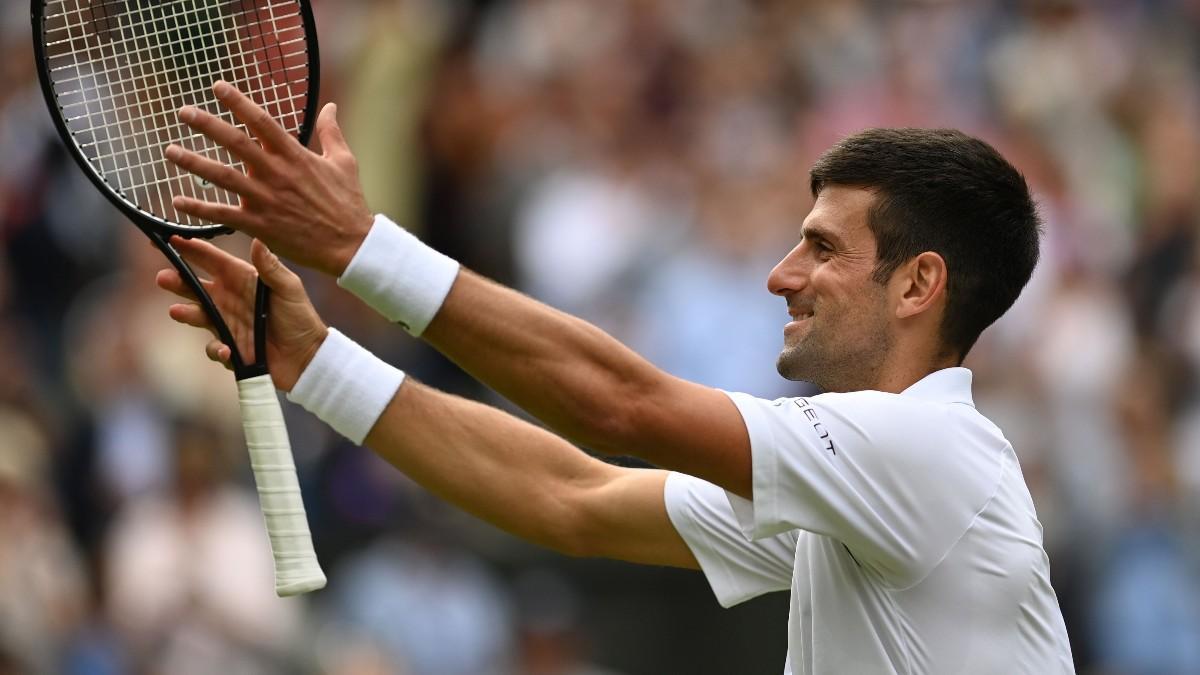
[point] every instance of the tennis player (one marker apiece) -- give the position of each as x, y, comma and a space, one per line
891, 509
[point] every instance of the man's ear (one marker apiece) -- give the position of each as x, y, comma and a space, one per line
921, 284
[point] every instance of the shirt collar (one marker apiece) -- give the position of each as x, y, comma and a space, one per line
948, 385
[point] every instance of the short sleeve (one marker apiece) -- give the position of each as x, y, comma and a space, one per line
895, 479
737, 569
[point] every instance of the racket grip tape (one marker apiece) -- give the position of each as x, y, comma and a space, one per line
296, 568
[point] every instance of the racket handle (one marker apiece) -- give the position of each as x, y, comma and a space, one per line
296, 568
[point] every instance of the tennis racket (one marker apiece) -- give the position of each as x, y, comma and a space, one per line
114, 74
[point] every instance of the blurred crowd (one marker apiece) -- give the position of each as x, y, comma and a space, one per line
643, 164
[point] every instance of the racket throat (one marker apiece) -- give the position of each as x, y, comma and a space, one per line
242, 369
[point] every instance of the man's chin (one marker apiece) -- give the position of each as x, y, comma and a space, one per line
790, 365
799, 365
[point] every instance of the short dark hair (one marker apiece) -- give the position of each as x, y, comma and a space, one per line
941, 190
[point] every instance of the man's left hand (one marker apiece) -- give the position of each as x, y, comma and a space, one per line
306, 206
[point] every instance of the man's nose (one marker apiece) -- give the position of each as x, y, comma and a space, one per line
790, 274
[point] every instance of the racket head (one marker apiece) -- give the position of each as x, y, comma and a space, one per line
114, 73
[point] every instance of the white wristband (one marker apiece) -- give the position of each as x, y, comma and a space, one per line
399, 276
346, 386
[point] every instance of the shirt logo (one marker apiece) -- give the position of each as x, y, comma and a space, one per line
810, 412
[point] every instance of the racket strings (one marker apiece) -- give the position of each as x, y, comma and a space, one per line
105, 24
137, 175
146, 117
214, 64
205, 70
135, 172
137, 152
121, 70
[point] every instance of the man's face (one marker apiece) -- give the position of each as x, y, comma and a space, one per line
840, 330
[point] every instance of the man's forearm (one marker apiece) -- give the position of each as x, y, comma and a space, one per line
574, 377
504, 471
525, 480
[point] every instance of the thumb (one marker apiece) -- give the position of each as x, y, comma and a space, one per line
329, 133
272, 271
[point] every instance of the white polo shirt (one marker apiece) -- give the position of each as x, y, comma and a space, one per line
900, 522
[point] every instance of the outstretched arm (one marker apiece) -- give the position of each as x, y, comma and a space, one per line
578, 380
588, 386
527, 481
508, 472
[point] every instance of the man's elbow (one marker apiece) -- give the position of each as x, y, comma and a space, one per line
576, 547
624, 426
561, 524
609, 433
572, 541
580, 526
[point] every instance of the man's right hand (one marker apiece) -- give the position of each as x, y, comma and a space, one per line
294, 330
308, 207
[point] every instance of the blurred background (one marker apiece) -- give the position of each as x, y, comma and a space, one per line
641, 163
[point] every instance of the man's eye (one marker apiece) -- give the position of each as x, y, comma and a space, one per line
820, 245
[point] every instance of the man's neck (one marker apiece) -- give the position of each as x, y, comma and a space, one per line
901, 373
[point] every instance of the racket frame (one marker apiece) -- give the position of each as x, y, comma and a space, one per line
297, 569
159, 230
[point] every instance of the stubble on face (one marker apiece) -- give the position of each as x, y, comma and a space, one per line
842, 348
844, 342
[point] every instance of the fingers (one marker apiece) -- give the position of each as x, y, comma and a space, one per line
225, 134
213, 171
194, 315
233, 216
256, 119
190, 315
218, 351
329, 133
211, 259
171, 281
273, 272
